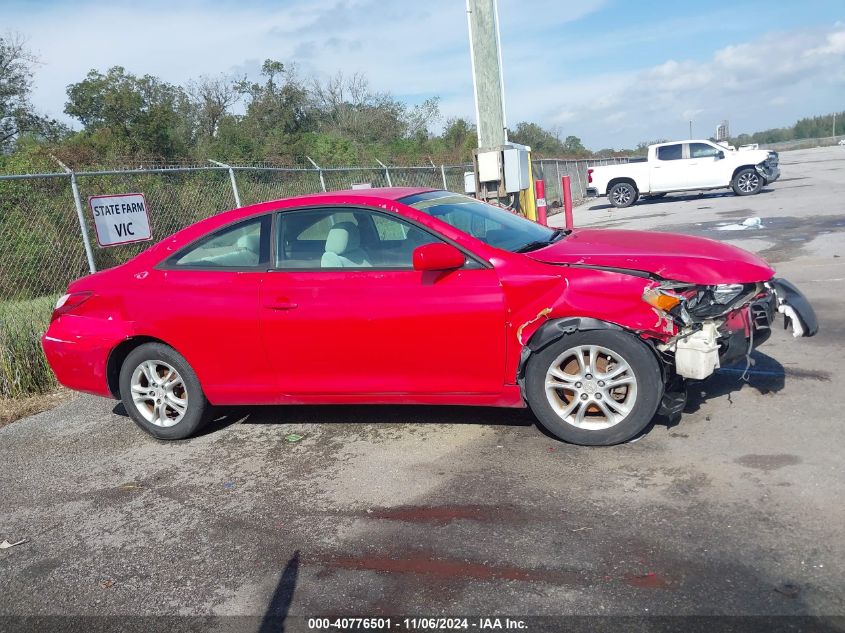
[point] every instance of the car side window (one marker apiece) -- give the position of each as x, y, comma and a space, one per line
244, 245
701, 150
670, 152
328, 239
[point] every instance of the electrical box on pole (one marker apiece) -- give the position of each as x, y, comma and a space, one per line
502, 169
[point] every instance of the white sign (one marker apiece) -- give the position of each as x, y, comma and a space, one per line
120, 219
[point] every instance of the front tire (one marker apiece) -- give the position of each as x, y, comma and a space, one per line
747, 182
622, 195
594, 388
161, 392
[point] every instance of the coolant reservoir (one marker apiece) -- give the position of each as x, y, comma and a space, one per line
697, 355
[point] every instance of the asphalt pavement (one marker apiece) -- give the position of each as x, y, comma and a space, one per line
734, 509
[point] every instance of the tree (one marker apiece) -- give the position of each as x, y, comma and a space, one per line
573, 145
541, 141
277, 110
17, 116
142, 114
458, 139
212, 97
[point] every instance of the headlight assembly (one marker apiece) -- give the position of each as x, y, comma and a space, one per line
724, 294
687, 303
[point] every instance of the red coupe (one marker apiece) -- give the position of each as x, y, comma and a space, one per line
414, 296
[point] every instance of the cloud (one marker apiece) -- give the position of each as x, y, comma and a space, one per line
763, 83
417, 50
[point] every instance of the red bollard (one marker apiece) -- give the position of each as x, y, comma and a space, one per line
567, 201
540, 190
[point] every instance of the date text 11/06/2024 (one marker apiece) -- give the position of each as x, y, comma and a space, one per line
416, 624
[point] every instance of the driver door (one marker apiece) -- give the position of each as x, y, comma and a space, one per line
344, 312
706, 167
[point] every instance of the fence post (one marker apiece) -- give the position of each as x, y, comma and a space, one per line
320, 171
578, 179
558, 181
443, 175
386, 172
231, 179
80, 214
566, 190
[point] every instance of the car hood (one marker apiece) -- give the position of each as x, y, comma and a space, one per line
669, 255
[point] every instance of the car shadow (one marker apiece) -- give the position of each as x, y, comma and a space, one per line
369, 414
687, 197
766, 375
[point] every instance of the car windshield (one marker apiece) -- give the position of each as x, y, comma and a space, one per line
492, 225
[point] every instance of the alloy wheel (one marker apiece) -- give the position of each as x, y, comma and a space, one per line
748, 182
159, 393
622, 195
591, 387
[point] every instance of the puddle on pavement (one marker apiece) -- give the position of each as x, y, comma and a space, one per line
768, 462
441, 515
445, 568
788, 234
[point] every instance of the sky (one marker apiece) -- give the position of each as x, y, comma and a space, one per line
612, 72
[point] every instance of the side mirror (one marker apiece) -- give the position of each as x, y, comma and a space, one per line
720, 154
438, 256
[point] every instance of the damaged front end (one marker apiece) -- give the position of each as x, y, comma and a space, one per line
720, 324
769, 169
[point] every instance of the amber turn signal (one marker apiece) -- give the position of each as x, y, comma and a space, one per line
661, 299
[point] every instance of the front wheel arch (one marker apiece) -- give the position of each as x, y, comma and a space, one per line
739, 169
555, 329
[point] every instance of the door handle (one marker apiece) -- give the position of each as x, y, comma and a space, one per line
281, 304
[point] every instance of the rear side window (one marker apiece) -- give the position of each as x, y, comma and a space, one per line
670, 152
241, 246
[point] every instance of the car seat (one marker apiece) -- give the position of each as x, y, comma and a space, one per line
343, 248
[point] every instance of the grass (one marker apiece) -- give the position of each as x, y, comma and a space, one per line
12, 409
23, 369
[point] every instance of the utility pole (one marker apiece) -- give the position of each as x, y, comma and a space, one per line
690, 129
487, 78
834, 124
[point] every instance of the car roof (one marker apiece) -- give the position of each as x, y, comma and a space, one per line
373, 196
688, 140
388, 193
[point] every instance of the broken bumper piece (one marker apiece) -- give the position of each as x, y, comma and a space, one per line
796, 310
768, 170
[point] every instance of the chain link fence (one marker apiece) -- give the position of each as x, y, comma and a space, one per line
804, 143
48, 239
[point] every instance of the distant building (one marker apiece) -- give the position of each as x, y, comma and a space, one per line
723, 131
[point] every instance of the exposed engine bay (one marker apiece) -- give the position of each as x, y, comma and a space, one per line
718, 325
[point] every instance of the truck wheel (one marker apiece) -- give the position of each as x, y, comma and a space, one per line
594, 388
161, 393
623, 194
747, 182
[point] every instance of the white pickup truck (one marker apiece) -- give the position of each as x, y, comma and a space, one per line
684, 166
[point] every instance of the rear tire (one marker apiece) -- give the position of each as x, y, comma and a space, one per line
608, 397
161, 392
622, 195
747, 182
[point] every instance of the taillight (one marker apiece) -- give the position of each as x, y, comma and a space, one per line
69, 302
589, 176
